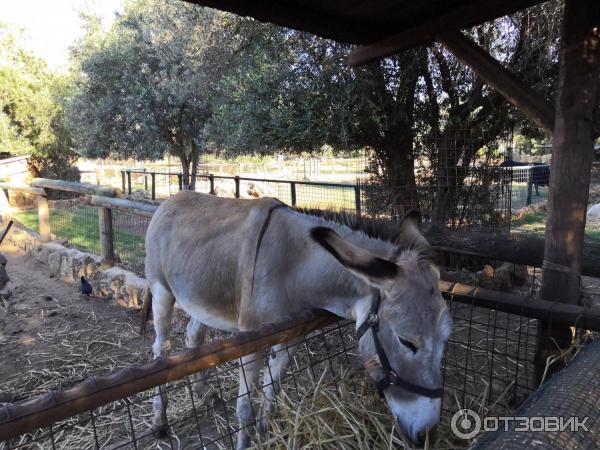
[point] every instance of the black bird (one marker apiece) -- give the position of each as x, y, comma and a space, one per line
86, 288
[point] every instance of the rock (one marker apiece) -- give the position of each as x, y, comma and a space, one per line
546, 159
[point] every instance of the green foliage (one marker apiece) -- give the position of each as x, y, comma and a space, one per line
146, 86
31, 111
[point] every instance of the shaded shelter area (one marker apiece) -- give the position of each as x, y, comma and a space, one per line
387, 27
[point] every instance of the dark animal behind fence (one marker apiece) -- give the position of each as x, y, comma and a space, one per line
540, 173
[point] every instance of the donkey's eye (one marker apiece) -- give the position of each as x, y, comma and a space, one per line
412, 347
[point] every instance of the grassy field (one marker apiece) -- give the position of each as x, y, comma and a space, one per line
80, 227
534, 222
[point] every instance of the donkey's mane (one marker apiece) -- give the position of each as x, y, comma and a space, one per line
384, 230
373, 228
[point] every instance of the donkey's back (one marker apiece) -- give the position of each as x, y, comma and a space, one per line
198, 250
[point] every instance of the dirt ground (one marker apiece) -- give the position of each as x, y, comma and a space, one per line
52, 336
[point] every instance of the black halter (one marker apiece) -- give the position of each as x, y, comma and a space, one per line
390, 378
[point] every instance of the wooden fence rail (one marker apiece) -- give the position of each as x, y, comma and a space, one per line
20, 418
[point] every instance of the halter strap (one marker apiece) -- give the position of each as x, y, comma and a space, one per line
390, 378
261, 235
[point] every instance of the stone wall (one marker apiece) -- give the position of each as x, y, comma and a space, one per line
69, 264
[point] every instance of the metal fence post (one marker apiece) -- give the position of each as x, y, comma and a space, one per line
293, 192
357, 202
153, 180
211, 180
44, 217
129, 182
237, 186
106, 237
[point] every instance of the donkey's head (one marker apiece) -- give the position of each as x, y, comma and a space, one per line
403, 325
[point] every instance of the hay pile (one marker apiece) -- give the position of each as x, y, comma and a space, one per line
339, 414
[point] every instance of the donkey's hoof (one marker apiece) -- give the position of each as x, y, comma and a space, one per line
160, 430
263, 426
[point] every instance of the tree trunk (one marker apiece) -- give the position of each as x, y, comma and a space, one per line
195, 158
572, 156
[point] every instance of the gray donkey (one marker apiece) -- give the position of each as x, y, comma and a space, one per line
237, 265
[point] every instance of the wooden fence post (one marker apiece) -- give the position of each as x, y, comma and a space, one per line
44, 217
106, 237
123, 181
180, 181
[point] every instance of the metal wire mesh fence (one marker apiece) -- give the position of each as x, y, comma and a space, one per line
325, 400
129, 232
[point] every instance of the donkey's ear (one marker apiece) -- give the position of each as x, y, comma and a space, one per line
410, 236
359, 261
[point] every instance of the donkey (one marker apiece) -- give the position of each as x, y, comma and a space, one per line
236, 265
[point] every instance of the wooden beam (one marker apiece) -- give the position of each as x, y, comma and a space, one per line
464, 16
573, 144
517, 248
518, 94
72, 186
17, 419
130, 206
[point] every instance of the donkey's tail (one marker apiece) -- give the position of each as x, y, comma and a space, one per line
146, 309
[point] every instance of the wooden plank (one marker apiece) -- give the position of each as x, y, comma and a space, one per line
514, 90
554, 312
464, 16
28, 189
44, 218
72, 186
517, 248
16, 419
573, 144
130, 206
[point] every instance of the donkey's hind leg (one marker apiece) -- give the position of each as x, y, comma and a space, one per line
279, 358
249, 372
195, 334
162, 306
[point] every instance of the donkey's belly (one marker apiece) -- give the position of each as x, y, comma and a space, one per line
218, 315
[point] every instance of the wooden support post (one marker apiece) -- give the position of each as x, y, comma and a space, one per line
129, 182
44, 217
123, 180
357, 202
106, 237
500, 78
236, 179
578, 87
153, 180
145, 181
180, 181
293, 193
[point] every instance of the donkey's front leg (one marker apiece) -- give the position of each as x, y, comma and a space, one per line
278, 360
162, 310
195, 334
249, 371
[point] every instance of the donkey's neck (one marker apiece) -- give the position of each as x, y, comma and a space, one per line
325, 283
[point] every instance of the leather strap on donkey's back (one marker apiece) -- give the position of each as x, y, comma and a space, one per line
390, 378
261, 235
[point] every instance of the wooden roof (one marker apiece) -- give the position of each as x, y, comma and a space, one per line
368, 21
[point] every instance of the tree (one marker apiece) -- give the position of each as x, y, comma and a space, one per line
146, 86
297, 93
31, 111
